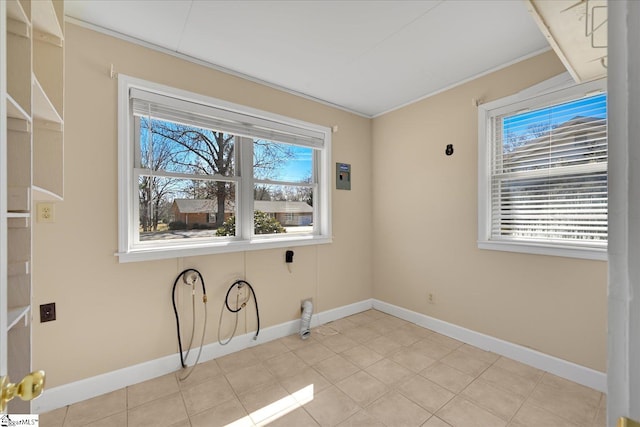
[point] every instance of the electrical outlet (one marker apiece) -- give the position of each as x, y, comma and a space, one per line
45, 212
431, 299
47, 312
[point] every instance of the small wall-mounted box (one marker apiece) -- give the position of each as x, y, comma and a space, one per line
343, 176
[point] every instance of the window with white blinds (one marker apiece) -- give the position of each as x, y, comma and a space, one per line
544, 173
198, 175
173, 108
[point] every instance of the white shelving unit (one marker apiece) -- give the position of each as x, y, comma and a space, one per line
16, 314
32, 144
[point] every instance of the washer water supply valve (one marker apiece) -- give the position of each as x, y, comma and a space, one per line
242, 297
190, 277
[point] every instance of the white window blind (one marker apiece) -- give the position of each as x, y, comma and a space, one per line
548, 178
221, 119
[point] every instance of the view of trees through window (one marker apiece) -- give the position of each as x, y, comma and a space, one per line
189, 182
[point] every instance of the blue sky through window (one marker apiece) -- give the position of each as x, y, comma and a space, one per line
296, 168
519, 128
299, 167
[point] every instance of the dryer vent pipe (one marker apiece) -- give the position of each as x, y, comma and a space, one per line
305, 321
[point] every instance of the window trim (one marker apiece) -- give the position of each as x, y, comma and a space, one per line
554, 89
129, 251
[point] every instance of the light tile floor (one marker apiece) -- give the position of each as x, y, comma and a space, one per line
370, 369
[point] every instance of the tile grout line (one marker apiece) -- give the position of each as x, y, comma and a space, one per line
526, 399
393, 387
563, 416
460, 395
184, 402
126, 405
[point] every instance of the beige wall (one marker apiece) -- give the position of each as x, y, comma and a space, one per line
416, 209
425, 222
111, 315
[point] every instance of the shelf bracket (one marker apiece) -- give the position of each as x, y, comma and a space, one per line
18, 28
47, 38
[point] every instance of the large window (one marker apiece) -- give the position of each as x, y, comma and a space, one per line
543, 172
199, 175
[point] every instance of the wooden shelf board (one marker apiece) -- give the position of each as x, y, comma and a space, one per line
18, 220
14, 315
15, 110
18, 214
15, 11
18, 199
42, 194
18, 28
45, 19
18, 268
42, 106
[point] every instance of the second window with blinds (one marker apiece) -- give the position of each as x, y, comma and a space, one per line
199, 175
543, 171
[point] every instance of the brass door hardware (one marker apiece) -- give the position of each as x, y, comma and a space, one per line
626, 422
29, 388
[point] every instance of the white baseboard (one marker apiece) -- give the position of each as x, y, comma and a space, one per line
87, 388
77, 391
562, 368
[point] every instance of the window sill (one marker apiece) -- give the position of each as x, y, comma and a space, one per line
166, 252
597, 254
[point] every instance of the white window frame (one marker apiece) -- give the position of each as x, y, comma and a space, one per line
129, 250
554, 90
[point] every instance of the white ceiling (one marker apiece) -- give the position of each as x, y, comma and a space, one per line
368, 57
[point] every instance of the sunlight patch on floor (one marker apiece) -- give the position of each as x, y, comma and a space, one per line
277, 409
